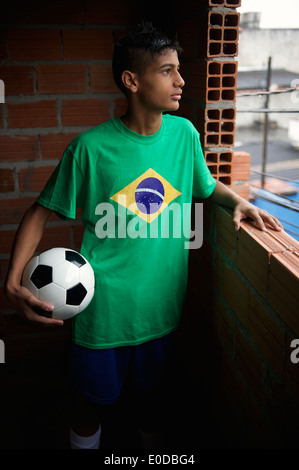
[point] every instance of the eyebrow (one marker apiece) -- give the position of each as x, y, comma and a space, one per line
169, 65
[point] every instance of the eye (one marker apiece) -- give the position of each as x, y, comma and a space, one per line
166, 71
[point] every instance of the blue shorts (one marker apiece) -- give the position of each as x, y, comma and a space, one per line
100, 374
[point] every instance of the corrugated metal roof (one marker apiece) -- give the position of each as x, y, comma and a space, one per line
256, 79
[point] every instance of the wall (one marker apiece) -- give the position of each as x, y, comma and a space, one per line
56, 66
244, 302
281, 44
241, 311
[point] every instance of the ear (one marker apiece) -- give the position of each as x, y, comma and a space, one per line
129, 80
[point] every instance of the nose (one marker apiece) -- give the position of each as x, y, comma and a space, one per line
179, 81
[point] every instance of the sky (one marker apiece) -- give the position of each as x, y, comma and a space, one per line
274, 14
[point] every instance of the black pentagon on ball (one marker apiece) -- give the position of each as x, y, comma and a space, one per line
76, 294
75, 258
41, 276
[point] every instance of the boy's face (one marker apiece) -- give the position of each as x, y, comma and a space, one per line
159, 87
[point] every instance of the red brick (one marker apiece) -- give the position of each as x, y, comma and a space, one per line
34, 178
241, 166
34, 44
283, 292
7, 237
267, 333
19, 148
86, 112
53, 145
254, 249
101, 79
250, 364
12, 210
4, 302
213, 81
55, 12
220, 158
4, 263
287, 242
223, 324
121, 106
232, 3
6, 180
61, 78
87, 44
235, 292
225, 233
33, 114
55, 237
219, 134
234, 388
112, 12
18, 79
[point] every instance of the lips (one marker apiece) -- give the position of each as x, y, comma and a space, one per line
176, 96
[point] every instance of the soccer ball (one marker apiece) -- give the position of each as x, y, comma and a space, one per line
62, 277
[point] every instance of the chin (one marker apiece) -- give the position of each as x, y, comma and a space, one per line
174, 107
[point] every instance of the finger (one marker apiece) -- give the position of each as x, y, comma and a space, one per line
260, 223
42, 317
40, 312
272, 221
237, 219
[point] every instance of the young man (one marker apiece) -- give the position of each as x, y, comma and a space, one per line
133, 177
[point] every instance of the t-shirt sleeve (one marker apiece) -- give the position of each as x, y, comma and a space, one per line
63, 191
203, 181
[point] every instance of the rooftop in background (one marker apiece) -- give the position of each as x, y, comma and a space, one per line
252, 79
274, 15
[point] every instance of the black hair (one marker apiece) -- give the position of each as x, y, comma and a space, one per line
135, 50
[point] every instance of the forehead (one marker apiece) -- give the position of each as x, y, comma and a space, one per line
168, 56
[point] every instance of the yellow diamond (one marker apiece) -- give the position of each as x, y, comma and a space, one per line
147, 196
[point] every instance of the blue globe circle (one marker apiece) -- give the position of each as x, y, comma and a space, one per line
149, 195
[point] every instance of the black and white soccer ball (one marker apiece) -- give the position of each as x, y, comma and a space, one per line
62, 277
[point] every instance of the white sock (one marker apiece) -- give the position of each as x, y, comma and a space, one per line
90, 442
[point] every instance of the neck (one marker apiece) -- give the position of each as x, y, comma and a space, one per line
143, 124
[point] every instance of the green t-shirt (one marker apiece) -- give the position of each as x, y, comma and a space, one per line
135, 192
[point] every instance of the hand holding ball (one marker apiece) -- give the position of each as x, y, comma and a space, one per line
63, 278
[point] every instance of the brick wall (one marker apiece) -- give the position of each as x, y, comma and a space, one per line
241, 317
56, 67
241, 310
55, 62
210, 37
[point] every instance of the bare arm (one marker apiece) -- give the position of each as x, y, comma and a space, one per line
242, 209
27, 238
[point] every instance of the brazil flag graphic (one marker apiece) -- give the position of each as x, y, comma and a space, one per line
147, 196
